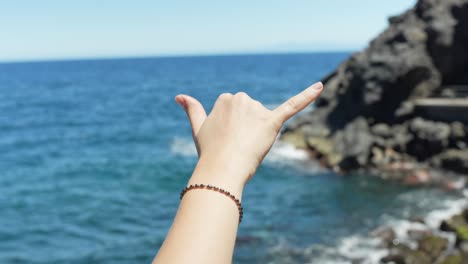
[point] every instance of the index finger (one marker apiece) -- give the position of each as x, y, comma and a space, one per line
298, 102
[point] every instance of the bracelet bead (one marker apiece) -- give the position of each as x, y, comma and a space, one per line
219, 190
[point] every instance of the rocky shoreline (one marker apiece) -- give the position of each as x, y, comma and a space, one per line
370, 115
399, 110
446, 245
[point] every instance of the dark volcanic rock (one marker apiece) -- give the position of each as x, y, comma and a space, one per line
367, 106
430, 248
453, 258
429, 138
354, 144
464, 250
402, 254
386, 234
456, 160
447, 37
433, 246
452, 224
425, 245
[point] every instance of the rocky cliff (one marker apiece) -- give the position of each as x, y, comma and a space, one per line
368, 115
448, 245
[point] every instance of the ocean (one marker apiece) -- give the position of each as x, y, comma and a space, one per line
94, 154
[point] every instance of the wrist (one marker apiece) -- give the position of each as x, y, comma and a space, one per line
219, 174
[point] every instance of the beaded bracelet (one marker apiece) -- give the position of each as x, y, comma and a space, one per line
211, 187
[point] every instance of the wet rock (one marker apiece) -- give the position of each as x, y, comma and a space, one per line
378, 156
462, 234
418, 234
463, 247
354, 144
465, 214
453, 223
386, 234
417, 178
429, 138
457, 224
394, 258
453, 258
295, 138
368, 105
405, 255
382, 130
433, 246
457, 131
417, 219
417, 257
429, 247
322, 150
452, 159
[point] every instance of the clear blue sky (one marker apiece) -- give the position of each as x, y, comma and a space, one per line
49, 29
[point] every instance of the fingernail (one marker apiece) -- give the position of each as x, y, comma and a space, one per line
318, 86
180, 100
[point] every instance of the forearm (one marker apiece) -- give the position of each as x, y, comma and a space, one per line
231, 141
205, 226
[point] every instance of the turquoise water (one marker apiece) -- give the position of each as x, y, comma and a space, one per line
93, 155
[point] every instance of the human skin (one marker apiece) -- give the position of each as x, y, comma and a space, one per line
231, 143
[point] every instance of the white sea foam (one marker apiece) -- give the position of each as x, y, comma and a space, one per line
361, 248
280, 151
352, 249
452, 207
370, 250
183, 146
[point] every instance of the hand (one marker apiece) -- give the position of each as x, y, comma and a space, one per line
235, 137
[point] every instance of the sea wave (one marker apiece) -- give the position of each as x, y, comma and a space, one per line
368, 249
280, 152
350, 250
183, 146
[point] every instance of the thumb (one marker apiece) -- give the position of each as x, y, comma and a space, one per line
194, 109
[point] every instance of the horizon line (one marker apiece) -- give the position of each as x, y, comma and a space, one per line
175, 55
